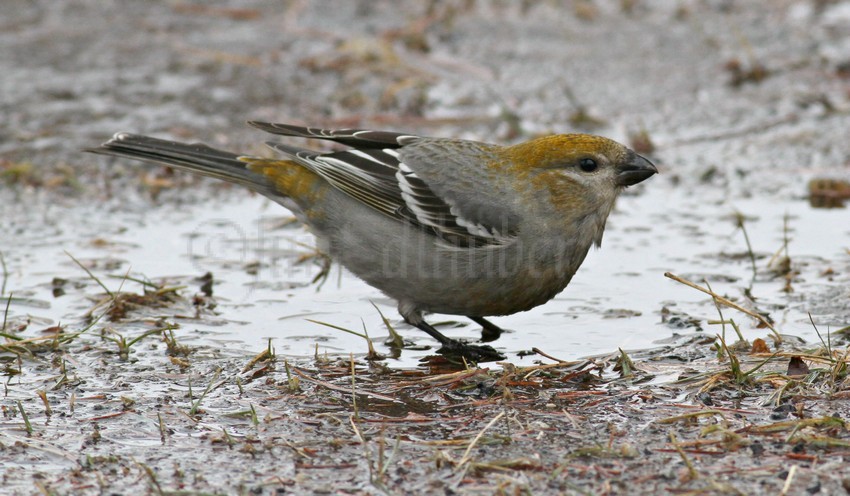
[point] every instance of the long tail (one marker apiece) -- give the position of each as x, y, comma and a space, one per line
192, 157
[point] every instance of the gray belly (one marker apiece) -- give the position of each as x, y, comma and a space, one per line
477, 282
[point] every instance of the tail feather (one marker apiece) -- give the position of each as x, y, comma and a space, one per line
195, 157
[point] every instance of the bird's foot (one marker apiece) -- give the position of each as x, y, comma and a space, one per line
455, 349
471, 352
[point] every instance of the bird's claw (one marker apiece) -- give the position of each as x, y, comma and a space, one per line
474, 353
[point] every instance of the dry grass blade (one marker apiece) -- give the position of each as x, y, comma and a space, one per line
571, 368
440, 380
43, 396
266, 354
739, 222
371, 355
467, 454
796, 425
395, 339
25, 417
334, 387
5, 274
6, 316
94, 277
143, 282
788, 480
353, 386
692, 471
209, 388
154, 483
690, 416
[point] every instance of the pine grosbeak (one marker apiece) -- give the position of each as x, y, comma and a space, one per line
440, 225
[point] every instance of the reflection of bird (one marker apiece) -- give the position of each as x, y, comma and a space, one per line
441, 225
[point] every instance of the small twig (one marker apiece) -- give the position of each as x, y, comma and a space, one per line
726, 302
546, 355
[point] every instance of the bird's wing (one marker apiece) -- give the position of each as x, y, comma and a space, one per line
374, 173
464, 175
356, 138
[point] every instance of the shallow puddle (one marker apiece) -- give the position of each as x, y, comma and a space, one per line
263, 270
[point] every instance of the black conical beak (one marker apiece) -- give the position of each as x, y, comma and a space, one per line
635, 170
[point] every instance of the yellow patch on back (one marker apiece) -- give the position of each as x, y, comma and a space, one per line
292, 180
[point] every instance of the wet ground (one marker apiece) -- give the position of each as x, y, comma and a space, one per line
150, 383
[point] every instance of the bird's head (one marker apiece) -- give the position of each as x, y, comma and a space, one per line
580, 172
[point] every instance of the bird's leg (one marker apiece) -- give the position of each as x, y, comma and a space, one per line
451, 346
476, 353
434, 333
489, 330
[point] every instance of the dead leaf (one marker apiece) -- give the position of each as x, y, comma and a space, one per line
797, 367
760, 346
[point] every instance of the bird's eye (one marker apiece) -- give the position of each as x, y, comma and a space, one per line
587, 164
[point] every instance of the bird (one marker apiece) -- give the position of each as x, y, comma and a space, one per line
440, 225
